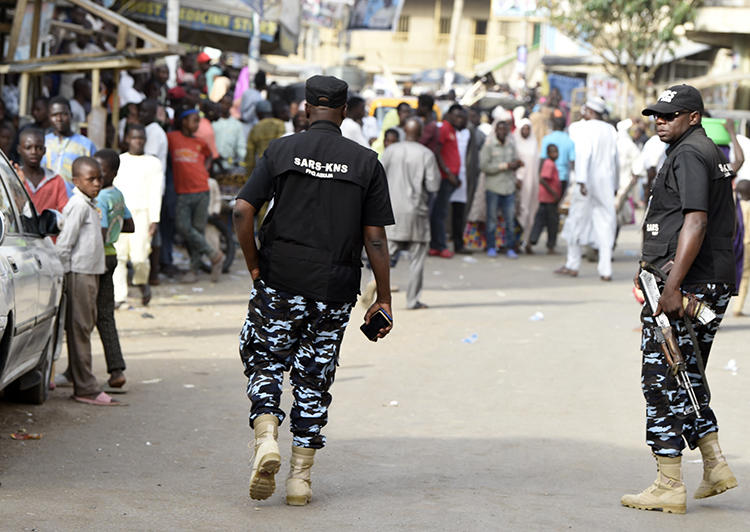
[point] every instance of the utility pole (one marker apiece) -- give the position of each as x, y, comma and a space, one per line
450, 67
253, 52
173, 35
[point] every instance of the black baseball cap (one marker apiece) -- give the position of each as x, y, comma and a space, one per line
326, 91
676, 98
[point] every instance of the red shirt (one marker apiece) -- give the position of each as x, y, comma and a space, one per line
188, 156
430, 136
551, 176
50, 194
449, 149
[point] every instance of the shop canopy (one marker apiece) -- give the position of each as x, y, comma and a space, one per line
134, 42
223, 24
32, 19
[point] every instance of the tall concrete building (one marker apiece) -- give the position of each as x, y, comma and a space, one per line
421, 40
724, 23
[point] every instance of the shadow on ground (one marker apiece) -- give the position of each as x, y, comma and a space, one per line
444, 483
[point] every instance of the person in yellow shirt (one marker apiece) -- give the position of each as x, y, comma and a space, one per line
270, 126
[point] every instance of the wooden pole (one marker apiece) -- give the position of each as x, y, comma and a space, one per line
36, 21
23, 94
97, 118
15, 31
33, 52
116, 110
96, 98
122, 37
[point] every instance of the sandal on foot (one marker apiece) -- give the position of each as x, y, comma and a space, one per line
100, 400
566, 271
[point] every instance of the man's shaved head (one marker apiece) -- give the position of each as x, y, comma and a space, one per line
413, 129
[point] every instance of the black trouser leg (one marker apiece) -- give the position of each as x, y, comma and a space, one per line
457, 225
552, 218
105, 318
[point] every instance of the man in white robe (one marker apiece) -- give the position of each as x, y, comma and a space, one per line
597, 177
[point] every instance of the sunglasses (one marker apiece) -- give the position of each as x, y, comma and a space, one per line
668, 117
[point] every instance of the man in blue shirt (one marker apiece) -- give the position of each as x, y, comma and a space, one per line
64, 146
565, 148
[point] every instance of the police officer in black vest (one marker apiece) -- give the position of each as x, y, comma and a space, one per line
330, 197
688, 232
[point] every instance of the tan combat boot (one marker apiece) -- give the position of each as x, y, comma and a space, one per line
267, 460
298, 490
667, 493
717, 477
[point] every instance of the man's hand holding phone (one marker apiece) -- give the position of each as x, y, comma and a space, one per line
378, 321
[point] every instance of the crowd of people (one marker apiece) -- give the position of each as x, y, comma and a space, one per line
462, 179
155, 190
452, 179
504, 175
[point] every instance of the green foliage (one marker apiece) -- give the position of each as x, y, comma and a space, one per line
631, 36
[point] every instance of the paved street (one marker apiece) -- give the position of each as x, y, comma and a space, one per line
529, 425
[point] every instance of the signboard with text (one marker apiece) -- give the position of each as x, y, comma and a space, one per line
196, 19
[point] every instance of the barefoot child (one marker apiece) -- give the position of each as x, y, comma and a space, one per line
81, 250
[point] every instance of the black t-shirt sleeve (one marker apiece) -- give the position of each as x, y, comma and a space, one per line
693, 178
259, 188
377, 210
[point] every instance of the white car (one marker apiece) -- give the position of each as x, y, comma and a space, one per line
32, 303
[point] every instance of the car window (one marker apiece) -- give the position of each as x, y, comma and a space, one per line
6, 206
20, 198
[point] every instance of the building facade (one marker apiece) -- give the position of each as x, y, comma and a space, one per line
421, 40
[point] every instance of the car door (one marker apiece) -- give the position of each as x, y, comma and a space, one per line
24, 274
43, 252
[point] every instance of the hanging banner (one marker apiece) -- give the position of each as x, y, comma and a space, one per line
375, 14
287, 15
324, 13
223, 24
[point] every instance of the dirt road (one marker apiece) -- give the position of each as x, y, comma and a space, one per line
469, 416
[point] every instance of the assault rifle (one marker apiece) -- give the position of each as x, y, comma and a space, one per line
666, 338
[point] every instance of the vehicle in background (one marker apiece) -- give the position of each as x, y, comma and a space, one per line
32, 301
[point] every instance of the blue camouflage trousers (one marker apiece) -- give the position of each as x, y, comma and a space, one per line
285, 332
670, 421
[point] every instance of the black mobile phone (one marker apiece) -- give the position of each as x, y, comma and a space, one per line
379, 320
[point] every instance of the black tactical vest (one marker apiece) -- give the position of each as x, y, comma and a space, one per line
664, 216
311, 240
